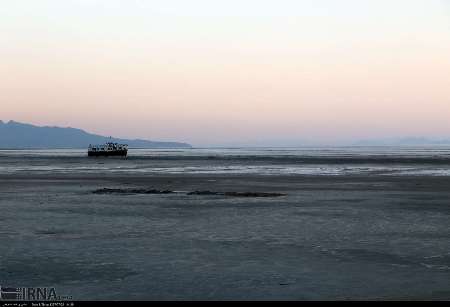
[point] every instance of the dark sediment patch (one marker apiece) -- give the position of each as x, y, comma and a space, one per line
52, 231
131, 191
155, 191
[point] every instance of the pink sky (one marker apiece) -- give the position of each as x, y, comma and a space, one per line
230, 75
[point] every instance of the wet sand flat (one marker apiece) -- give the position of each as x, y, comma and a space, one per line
326, 237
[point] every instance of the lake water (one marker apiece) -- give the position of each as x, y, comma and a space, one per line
351, 223
336, 161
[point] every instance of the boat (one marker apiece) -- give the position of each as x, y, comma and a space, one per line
108, 149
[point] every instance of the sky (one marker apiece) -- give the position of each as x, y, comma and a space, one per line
229, 73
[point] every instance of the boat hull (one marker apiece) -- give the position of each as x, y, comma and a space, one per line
115, 153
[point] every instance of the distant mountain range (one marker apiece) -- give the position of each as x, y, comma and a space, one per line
15, 135
407, 141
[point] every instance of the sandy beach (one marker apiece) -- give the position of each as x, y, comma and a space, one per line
353, 236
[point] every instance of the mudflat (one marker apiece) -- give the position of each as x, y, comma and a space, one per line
225, 236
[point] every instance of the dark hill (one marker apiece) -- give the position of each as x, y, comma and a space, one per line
15, 135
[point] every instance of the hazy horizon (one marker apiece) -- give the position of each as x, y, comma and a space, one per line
210, 73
